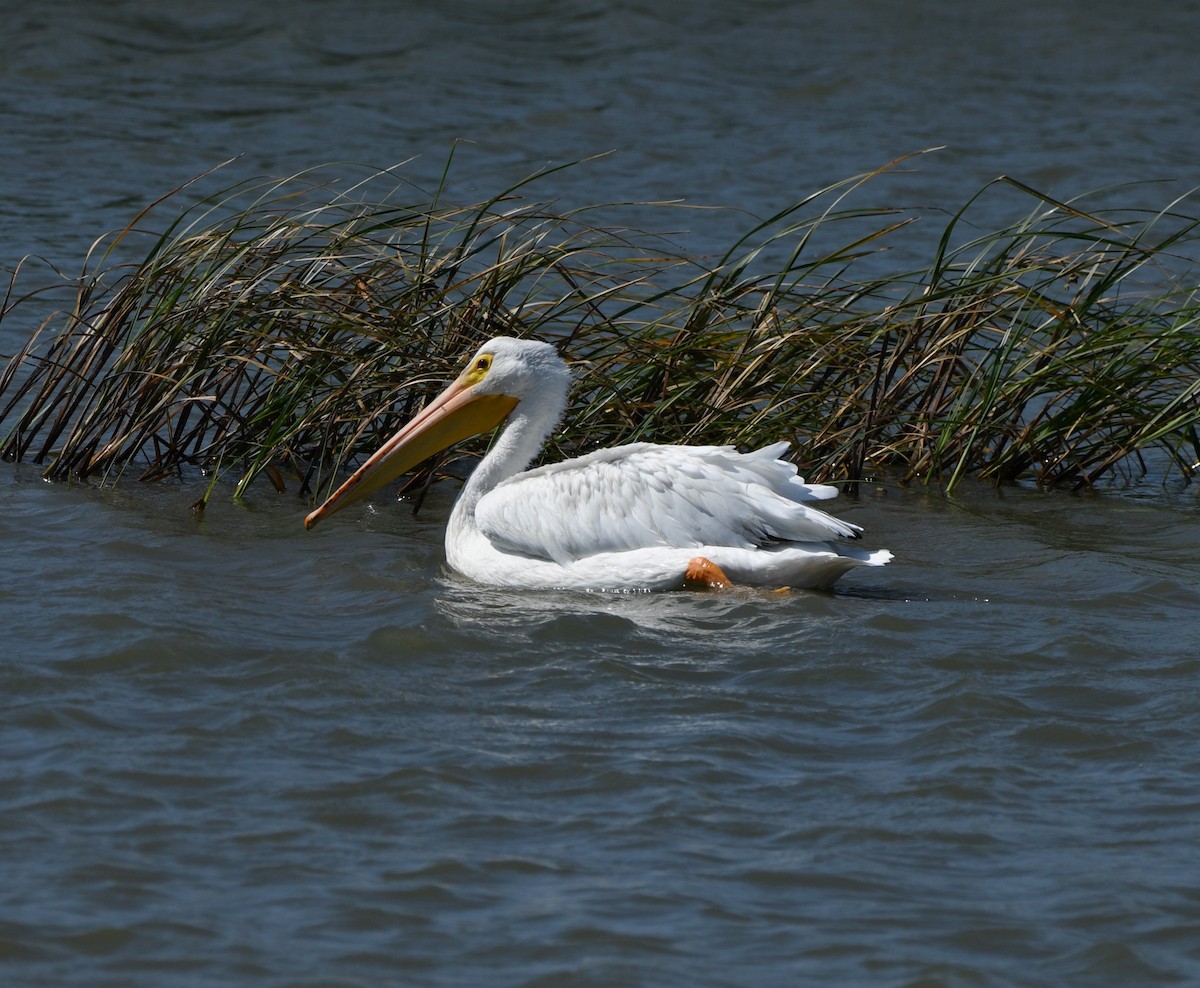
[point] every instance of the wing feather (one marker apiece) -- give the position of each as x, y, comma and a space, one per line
644, 495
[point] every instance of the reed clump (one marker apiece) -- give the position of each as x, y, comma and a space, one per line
286, 329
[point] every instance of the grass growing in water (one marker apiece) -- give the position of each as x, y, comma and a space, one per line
285, 329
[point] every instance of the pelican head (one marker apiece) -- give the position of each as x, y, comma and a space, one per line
504, 374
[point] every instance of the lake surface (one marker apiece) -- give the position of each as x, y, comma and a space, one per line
238, 753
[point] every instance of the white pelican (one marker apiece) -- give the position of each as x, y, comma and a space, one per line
637, 517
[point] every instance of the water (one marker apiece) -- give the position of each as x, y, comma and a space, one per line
108, 106
236, 752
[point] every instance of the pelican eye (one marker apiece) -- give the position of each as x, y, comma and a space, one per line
478, 368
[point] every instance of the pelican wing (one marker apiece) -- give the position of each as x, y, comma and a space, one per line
644, 495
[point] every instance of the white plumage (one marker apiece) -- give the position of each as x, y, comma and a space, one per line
643, 495
630, 518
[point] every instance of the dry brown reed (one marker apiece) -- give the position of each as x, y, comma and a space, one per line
286, 329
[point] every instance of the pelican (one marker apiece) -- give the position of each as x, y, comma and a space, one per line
635, 517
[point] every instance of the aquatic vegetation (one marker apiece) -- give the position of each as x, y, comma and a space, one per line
286, 328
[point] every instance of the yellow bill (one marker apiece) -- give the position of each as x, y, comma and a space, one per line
456, 414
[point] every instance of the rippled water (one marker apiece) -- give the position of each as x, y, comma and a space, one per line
749, 106
238, 753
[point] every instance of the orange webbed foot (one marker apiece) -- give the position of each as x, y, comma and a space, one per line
704, 574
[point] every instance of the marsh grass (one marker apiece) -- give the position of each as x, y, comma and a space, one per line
287, 328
